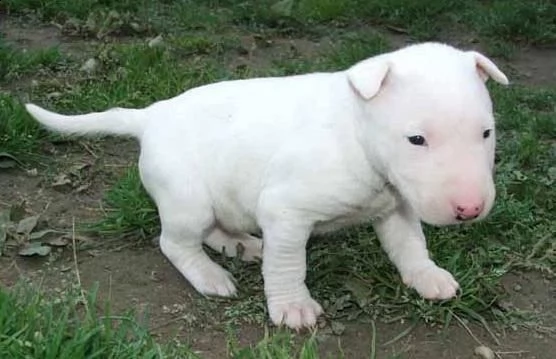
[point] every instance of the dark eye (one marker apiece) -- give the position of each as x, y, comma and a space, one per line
417, 140
486, 133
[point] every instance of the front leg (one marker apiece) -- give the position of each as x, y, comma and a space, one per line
284, 268
402, 238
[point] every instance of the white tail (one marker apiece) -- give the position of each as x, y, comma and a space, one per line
116, 121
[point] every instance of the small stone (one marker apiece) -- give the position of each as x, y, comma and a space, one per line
54, 95
156, 42
484, 352
517, 288
113, 14
61, 180
89, 66
136, 27
506, 305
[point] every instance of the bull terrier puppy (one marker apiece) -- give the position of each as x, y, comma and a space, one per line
397, 139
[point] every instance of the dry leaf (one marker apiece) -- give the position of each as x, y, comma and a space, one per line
58, 242
8, 161
27, 224
40, 234
34, 249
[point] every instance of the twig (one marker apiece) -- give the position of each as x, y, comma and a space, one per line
373, 340
110, 287
471, 333
88, 149
166, 323
402, 334
467, 329
517, 352
83, 298
46, 206
537, 247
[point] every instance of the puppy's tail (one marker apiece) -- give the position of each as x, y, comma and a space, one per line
116, 121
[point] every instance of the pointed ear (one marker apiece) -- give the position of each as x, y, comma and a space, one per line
367, 76
487, 69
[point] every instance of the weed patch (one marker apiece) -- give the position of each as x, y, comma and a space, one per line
32, 325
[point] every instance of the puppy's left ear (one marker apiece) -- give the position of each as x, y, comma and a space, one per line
487, 69
367, 76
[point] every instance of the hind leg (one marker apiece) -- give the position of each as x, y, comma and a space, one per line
186, 221
229, 244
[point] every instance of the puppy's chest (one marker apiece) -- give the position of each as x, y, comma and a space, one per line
375, 204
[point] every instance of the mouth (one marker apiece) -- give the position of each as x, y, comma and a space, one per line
448, 219
466, 219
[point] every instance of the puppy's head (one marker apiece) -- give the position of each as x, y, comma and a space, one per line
427, 125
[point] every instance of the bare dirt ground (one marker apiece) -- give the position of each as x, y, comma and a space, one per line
135, 275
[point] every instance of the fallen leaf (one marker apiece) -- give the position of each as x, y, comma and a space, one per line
94, 252
40, 234
58, 242
27, 224
61, 180
399, 30
8, 160
82, 188
78, 168
34, 248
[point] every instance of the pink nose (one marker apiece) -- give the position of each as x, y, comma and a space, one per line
469, 210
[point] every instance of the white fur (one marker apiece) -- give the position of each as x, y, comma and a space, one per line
303, 154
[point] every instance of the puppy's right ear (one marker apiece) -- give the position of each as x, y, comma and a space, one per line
367, 76
487, 69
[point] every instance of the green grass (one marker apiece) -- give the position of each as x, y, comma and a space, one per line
130, 210
33, 325
517, 21
498, 20
274, 346
15, 63
71, 325
82, 8
19, 135
130, 75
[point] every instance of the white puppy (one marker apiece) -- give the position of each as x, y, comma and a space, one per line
397, 139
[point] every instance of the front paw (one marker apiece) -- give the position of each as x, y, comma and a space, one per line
297, 314
432, 282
